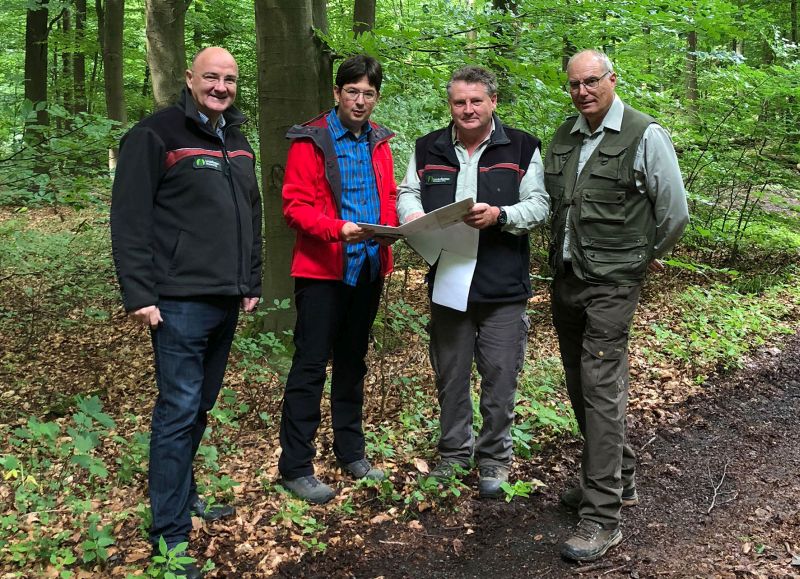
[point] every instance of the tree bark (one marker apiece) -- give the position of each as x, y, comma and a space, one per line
363, 16
113, 68
166, 49
294, 85
68, 89
36, 61
79, 59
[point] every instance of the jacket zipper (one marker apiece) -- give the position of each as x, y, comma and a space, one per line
227, 170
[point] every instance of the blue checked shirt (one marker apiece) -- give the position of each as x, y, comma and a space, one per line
360, 200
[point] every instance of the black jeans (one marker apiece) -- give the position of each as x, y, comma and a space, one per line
592, 323
332, 317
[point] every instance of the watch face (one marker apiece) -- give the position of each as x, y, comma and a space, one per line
502, 219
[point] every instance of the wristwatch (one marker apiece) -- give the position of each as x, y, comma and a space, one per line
502, 218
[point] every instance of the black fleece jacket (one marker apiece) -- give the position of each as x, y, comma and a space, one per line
185, 209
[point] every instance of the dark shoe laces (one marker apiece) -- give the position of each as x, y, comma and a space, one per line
587, 530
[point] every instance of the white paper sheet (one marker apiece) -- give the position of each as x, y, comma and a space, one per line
435, 220
453, 280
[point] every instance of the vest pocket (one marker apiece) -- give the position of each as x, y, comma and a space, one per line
603, 205
608, 164
557, 157
614, 258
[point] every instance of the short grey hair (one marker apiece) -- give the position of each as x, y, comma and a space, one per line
598, 55
473, 75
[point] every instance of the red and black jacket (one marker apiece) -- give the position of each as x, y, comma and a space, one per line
185, 209
501, 274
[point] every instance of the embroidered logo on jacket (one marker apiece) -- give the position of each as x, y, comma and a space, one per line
207, 163
438, 179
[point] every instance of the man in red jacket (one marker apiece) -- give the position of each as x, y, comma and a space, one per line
339, 172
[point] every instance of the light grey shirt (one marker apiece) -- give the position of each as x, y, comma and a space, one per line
656, 171
531, 209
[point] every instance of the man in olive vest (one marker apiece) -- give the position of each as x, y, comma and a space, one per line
477, 156
618, 204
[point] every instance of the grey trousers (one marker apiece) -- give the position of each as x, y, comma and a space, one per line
495, 336
592, 322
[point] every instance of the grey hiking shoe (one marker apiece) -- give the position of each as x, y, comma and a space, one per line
213, 512
361, 468
491, 477
571, 498
590, 541
448, 468
309, 488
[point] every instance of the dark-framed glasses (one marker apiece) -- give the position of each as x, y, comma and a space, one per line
590, 83
352, 94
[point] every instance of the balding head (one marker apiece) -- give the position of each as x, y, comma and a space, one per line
212, 81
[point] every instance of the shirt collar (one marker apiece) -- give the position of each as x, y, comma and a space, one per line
338, 130
454, 135
220, 122
612, 120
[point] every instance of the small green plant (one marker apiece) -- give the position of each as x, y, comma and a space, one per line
98, 538
164, 564
520, 488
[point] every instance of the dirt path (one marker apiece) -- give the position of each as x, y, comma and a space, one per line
740, 435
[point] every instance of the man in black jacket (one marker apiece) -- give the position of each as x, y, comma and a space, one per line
186, 238
499, 167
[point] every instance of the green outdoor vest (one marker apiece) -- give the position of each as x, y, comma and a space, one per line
613, 225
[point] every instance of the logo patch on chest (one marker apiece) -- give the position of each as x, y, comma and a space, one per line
207, 163
439, 179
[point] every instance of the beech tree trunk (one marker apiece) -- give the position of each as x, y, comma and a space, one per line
363, 16
112, 65
166, 49
79, 59
294, 85
36, 62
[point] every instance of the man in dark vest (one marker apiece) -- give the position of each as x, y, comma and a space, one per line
618, 205
501, 168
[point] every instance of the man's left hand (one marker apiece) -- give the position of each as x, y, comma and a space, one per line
656, 266
482, 215
249, 304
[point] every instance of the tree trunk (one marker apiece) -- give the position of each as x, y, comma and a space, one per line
79, 58
113, 68
166, 49
67, 91
793, 17
294, 85
691, 70
363, 16
36, 63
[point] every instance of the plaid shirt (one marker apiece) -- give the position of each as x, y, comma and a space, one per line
360, 202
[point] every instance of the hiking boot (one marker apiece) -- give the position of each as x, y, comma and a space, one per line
447, 469
189, 571
492, 476
590, 541
571, 498
211, 513
361, 468
309, 488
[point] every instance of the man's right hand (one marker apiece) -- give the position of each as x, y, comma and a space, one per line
352, 233
413, 216
148, 315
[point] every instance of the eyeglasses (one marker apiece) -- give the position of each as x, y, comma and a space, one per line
212, 78
352, 94
590, 83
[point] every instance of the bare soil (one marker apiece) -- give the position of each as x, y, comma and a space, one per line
719, 497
